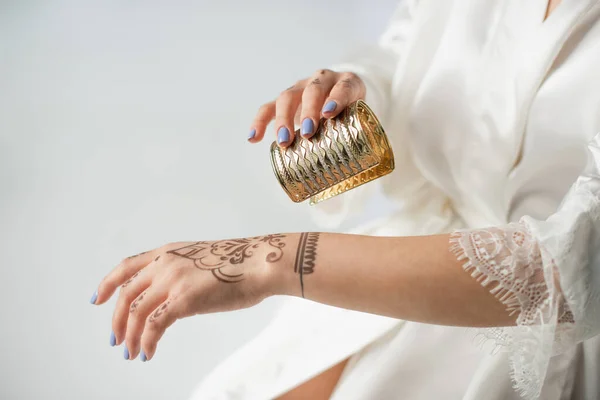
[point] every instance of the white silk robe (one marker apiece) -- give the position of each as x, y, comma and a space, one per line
494, 118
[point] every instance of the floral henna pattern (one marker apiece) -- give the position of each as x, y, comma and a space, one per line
216, 256
135, 303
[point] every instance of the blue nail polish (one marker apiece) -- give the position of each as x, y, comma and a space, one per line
113, 339
283, 135
94, 297
307, 126
330, 106
126, 353
252, 134
143, 356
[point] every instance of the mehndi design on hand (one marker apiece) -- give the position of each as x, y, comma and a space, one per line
221, 257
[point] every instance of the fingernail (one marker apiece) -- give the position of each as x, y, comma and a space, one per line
94, 297
330, 106
283, 135
252, 134
126, 353
113, 339
307, 126
143, 356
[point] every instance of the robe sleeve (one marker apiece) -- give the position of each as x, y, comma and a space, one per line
376, 66
547, 273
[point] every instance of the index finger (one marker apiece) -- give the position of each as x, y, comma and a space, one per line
120, 274
265, 115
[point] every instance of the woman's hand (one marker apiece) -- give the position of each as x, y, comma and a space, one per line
325, 94
183, 279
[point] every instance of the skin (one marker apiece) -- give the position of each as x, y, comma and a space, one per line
306, 99
411, 278
321, 386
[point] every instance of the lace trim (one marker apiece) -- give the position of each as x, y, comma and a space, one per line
510, 262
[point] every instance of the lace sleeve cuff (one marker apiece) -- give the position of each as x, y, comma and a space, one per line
510, 262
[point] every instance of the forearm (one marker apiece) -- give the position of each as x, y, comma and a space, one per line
412, 278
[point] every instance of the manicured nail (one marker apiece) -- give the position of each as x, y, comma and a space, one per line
307, 126
330, 106
126, 353
143, 356
94, 297
283, 135
113, 339
252, 134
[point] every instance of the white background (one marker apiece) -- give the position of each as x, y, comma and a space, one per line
123, 126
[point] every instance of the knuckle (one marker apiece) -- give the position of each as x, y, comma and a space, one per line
176, 272
128, 281
320, 72
285, 96
125, 263
126, 266
345, 84
172, 250
168, 258
265, 108
157, 317
166, 247
350, 76
125, 297
314, 89
133, 308
296, 86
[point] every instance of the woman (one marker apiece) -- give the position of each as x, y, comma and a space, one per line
492, 108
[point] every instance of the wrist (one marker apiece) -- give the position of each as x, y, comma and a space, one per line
279, 274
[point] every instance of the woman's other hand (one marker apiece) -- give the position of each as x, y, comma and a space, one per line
325, 94
183, 279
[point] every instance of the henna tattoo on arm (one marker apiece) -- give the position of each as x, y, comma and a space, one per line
306, 255
223, 257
